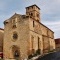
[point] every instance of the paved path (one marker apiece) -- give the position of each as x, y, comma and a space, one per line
51, 56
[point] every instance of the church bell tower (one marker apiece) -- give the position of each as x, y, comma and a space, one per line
33, 11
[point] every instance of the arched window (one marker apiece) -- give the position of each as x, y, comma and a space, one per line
32, 7
37, 15
14, 22
33, 24
31, 14
38, 42
32, 41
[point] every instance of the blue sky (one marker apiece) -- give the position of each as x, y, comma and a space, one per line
50, 11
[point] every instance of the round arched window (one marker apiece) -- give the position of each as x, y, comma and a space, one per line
31, 14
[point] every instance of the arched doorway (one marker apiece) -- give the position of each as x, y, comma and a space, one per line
16, 52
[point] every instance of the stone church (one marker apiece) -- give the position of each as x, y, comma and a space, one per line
25, 35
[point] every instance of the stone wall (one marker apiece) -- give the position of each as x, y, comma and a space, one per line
23, 36
47, 35
26, 28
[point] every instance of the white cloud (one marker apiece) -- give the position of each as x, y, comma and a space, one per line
52, 23
50, 11
55, 26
